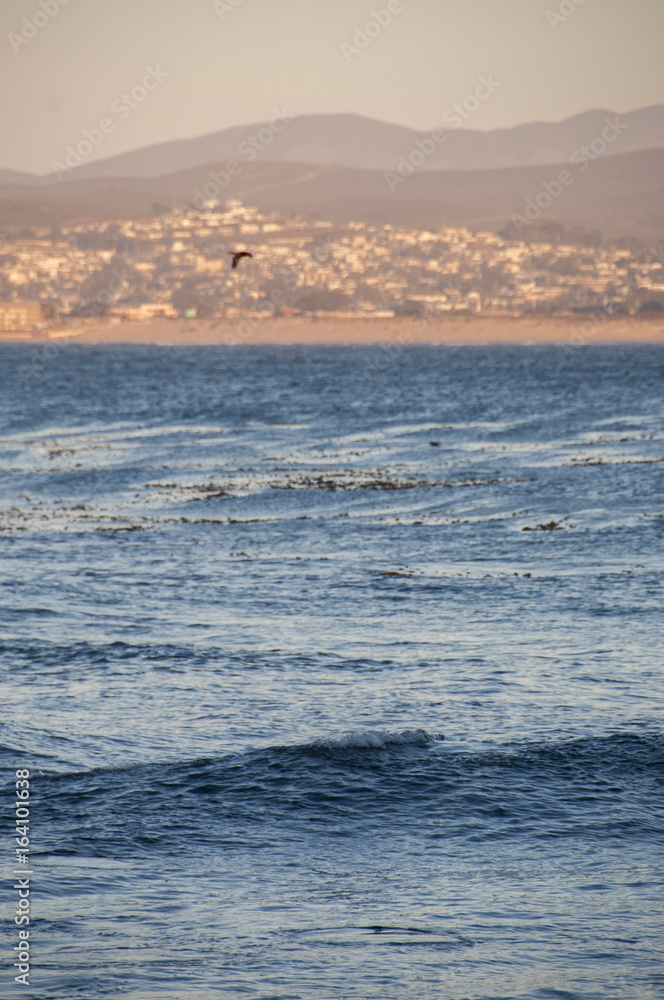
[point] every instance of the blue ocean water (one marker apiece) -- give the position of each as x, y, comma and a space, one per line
337, 671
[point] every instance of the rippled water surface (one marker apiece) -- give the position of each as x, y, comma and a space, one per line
338, 671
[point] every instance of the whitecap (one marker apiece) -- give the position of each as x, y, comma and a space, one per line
378, 739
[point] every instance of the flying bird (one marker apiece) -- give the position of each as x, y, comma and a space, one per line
237, 255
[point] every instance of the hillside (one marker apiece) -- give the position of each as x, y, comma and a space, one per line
349, 140
622, 196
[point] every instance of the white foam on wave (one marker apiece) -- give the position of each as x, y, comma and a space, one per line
378, 739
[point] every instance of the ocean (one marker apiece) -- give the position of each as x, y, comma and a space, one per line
337, 671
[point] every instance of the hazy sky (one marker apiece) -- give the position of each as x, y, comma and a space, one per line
218, 63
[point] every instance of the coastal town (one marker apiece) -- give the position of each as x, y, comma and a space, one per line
178, 264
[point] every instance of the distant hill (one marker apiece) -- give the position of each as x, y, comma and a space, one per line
349, 140
622, 196
16, 177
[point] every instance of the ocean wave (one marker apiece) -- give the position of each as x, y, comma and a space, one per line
367, 783
377, 739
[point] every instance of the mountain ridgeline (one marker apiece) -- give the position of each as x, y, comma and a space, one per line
600, 169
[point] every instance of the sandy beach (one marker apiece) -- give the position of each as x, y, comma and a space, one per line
573, 330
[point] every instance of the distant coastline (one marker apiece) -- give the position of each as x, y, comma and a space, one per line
574, 331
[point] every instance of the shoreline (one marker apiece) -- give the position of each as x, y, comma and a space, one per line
574, 330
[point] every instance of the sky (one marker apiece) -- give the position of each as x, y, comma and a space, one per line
198, 66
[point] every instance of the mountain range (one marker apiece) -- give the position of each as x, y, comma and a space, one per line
345, 167
350, 140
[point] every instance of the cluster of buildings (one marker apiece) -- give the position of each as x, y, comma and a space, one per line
178, 264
